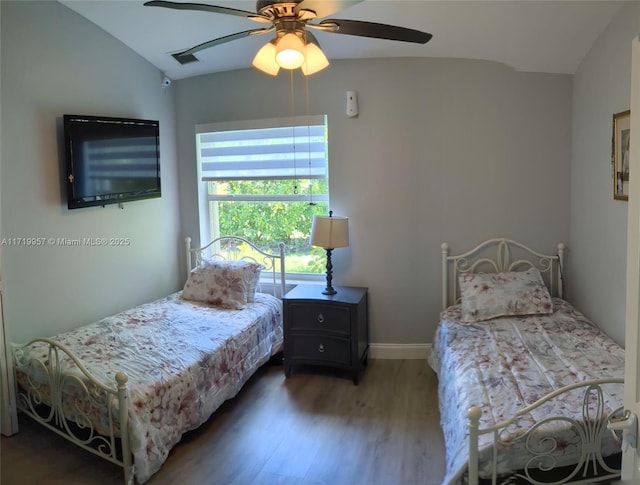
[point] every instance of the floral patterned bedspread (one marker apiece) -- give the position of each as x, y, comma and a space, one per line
183, 360
508, 363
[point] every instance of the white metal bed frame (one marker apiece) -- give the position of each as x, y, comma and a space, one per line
45, 403
228, 247
504, 255
509, 255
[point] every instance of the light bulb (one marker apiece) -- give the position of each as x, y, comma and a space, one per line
290, 51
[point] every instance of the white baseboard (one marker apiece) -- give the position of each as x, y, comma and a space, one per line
399, 351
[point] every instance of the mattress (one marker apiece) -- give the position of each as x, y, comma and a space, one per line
183, 360
508, 363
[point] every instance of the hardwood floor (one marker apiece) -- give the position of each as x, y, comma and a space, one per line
314, 428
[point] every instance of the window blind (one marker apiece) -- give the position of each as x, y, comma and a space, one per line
275, 149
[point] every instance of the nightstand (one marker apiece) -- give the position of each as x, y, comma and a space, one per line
326, 330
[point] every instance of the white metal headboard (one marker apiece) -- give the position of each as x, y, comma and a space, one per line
496, 256
228, 248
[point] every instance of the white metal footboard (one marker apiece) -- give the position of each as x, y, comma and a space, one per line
62, 395
591, 429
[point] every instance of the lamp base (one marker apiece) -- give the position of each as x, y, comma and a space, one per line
329, 290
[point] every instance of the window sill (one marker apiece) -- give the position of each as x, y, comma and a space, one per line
266, 284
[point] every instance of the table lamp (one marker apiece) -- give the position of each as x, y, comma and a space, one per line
330, 233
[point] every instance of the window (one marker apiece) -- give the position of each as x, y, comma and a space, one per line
264, 180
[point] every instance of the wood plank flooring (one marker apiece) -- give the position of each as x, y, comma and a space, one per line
314, 428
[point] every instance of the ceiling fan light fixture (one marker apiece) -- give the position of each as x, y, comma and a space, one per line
290, 51
294, 45
265, 59
314, 60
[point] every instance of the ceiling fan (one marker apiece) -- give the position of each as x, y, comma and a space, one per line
293, 45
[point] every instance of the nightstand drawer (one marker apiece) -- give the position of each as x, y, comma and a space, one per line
311, 316
326, 349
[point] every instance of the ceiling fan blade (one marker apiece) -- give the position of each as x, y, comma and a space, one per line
322, 8
222, 40
371, 29
207, 8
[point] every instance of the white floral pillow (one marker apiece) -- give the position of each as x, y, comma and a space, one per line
228, 284
250, 273
492, 295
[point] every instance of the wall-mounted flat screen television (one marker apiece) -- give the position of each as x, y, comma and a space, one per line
111, 160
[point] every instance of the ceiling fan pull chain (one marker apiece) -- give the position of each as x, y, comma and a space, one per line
293, 129
306, 84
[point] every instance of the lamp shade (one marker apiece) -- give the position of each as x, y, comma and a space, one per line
289, 51
265, 59
330, 232
314, 60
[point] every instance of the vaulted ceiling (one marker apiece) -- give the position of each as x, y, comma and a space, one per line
542, 36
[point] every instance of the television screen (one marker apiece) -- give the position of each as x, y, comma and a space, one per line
111, 160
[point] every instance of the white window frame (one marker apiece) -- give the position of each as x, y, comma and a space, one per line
300, 166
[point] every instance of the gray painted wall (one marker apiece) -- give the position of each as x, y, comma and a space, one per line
598, 234
442, 150
56, 62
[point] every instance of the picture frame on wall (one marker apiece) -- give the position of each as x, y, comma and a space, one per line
620, 154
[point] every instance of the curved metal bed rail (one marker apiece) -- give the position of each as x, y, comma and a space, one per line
60, 392
228, 248
590, 430
500, 259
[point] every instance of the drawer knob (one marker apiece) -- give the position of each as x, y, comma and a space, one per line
320, 348
320, 318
